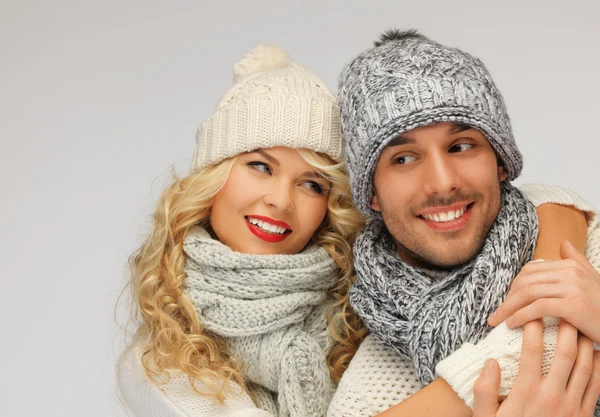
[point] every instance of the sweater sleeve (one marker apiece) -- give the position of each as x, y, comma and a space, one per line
539, 194
175, 398
377, 379
463, 367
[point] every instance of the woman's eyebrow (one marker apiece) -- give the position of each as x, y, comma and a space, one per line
313, 174
268, 157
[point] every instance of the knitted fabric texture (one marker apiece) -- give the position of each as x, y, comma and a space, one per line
274, 102
424, 318
271, 311
463, 367
407, 82
378, 378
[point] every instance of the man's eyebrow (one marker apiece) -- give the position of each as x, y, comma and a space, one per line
459, 127
267, 157
400, 140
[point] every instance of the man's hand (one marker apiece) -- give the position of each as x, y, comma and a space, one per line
568, 288
570, 389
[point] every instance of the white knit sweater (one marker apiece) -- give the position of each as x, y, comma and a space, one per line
376, 380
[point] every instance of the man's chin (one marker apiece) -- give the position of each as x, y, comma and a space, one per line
437, 258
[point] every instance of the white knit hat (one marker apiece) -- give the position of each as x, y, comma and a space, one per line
274, 102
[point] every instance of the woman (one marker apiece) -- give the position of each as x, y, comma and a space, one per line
241, 287
248, 259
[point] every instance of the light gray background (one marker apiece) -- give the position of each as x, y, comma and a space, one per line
98, 99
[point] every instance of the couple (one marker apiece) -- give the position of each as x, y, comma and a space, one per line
260, 279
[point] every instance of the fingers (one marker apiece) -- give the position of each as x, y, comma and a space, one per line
592, 392
532, 353
535, 273
565, 356
527, 295
544, 307
568, 251
485, 390
582, 371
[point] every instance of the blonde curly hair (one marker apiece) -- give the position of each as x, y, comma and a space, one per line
170, 333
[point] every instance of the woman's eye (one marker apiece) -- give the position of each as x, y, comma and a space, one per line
405, 159
260, 166
314, 186
461, 147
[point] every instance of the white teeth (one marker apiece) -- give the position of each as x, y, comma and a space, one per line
267, 227
445, 217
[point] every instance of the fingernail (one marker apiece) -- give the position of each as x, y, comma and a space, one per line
598, 355
509, 322
492, 318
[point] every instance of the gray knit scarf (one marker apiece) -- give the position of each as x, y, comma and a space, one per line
271, 311
425, 318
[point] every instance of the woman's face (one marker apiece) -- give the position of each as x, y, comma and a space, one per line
272, 203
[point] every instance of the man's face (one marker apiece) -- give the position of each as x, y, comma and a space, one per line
438, 190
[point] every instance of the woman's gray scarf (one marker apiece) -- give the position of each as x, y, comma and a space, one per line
271, 311
425, 318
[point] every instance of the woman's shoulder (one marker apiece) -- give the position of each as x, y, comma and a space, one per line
173, 396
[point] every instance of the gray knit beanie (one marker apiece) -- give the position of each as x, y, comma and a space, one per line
407, 81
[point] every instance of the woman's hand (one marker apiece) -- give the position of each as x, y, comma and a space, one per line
570, 389
568, 288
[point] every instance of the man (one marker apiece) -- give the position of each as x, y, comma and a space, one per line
430, 154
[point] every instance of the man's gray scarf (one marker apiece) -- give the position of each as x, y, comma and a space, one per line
271, 311
425, 318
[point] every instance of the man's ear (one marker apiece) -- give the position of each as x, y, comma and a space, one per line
375, 203
502, 173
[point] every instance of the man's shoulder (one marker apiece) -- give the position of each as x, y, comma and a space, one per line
376, 379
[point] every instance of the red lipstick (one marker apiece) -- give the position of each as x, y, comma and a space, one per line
268, 236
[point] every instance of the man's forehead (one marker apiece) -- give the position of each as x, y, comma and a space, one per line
407, 137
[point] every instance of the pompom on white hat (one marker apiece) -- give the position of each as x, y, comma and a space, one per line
274, 102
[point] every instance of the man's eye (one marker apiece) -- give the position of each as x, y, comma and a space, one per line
405, 159
461, 147
260, 166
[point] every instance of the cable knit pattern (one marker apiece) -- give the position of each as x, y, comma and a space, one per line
274, 102
271, 310
378, 378
410, 81
426, 318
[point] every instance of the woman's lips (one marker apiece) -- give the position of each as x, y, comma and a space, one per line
267, 236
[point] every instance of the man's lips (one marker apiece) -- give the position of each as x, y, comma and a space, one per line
448, 218
445, 209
